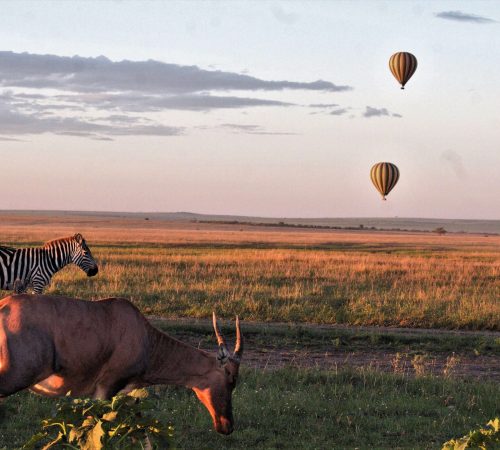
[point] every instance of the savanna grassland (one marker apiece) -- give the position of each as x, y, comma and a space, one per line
355, 278
385, 339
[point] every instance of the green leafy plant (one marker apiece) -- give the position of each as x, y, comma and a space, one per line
487, 438
124, 422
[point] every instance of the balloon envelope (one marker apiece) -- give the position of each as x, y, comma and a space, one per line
403, 66
384, 176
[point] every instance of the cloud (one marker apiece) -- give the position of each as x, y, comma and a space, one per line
288, 18
14, 122
339, 112
241, 127
454, 160
253, 129
151, 103
459, 16
379, 112
63, 95
323, 105
327, 109
34, 114
122, 118
100, 74
9, 139
375, 112
102, 138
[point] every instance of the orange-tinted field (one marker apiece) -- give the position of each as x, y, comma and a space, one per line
175, 269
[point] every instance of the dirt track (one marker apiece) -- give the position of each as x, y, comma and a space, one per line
482, 367
455, 364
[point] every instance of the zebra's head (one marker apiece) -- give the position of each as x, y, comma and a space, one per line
82, 257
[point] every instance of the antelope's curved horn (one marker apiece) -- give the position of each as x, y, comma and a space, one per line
220, 338
238, 348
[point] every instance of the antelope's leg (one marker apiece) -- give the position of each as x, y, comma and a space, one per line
25, 359
106, 389
102, 393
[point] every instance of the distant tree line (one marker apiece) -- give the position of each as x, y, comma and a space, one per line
281, 224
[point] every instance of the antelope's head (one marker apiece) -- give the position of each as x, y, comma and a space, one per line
215, 392
82, 257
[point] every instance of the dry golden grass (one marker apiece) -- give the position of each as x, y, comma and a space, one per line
364, 278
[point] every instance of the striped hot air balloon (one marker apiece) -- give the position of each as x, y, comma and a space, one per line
384, 176
403, 66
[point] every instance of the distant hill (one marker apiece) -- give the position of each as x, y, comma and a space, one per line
420, 224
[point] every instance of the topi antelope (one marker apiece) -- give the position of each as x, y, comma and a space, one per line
53, 345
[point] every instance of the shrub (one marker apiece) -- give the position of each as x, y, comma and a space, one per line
124, 422
485, 438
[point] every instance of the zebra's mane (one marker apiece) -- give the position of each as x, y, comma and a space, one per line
56, 241
4, 247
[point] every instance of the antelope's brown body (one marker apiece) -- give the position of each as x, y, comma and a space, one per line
53, 345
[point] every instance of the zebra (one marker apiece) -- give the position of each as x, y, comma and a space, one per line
25, 268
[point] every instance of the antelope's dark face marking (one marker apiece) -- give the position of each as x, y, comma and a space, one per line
217, 396
215, 392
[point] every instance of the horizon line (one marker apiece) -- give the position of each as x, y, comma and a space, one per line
79, 211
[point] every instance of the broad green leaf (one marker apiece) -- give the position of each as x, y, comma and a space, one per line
94, 441
484, 439
35, 439
122, 422
89, 421
76, 434
495, 424
53, 442
110, 416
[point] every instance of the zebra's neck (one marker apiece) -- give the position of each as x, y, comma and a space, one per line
59, 253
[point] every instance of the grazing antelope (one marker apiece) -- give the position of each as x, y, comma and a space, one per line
23, 268
53, 345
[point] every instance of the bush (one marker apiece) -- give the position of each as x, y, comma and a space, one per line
124, 422
485, 438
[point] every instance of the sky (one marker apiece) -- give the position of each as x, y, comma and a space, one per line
263, 108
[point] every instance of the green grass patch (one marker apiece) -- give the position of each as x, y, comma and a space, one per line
307, 409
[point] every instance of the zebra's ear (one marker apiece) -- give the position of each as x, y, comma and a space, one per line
78, 238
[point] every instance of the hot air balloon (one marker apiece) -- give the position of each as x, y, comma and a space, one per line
403, 66
384, 176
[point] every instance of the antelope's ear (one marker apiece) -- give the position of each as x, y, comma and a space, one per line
78, 238
222, 355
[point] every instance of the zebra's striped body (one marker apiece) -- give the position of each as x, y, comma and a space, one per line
33, 267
